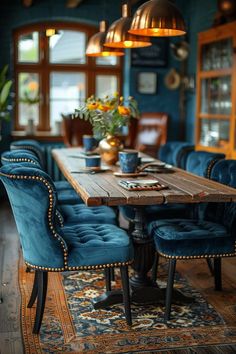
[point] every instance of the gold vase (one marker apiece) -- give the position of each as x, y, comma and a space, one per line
109, 148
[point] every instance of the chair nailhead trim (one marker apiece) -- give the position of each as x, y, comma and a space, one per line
59, 218
200, 256
27, 147
19, 160
50, 221
100, 266
212, 163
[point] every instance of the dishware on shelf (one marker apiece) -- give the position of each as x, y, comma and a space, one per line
128, 161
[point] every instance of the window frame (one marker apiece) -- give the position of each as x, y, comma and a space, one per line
44, 68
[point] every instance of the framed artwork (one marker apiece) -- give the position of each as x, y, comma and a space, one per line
154, 56
147, 83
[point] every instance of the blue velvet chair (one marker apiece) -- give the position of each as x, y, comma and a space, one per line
213, 237
66, 194
47, 247
31, 145
175, 153
197, 162
67, 213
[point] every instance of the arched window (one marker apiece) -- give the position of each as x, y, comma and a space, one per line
53, 74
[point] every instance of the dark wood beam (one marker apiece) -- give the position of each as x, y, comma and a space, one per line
73, 3
27, 3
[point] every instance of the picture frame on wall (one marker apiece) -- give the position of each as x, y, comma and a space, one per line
147, 83
154, 56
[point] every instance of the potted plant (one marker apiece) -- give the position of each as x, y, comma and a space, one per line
108, 116
5, 88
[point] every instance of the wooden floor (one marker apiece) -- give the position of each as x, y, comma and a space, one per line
10, 332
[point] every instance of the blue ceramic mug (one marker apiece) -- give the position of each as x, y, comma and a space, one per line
89, 142
93, 161
128, 161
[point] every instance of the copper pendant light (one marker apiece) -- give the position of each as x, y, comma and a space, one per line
95, 47
118, 36
158, 18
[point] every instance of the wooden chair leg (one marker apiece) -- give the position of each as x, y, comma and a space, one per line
34, 292
126, 294
42, 292
155, 267
169, 289
217, 273
210, 266
108, 279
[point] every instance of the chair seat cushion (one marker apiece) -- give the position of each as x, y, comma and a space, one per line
61, 185
187, 229
153, 212
184, 238
97, 244
68, 196
80, 213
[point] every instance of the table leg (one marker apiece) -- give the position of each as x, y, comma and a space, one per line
144, 290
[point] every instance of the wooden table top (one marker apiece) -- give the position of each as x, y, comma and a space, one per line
103, 188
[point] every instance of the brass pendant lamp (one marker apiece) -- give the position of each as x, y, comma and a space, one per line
95, 47
118, 35
158, 18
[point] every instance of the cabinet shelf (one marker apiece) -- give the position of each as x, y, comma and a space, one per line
214, 116
216, 93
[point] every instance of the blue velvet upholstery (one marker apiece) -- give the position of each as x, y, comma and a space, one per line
20, 155
31, 145
44, 243
47, 246
66, 194
175, 153
80, 213
202, 162
88, 244
213, 236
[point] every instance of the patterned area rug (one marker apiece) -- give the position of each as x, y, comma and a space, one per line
70, 323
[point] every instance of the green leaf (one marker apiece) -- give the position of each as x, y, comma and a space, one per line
3, 74
5, 92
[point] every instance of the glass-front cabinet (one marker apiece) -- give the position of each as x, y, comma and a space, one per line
216, 90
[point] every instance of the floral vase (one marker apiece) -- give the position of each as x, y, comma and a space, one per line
109, 148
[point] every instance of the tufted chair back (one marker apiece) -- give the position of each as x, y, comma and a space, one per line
224, 172
175, 153
15, 156
33, 200
32, 146
202, 162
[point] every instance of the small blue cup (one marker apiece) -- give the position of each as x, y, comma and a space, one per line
128, 161
89, 142
93, 161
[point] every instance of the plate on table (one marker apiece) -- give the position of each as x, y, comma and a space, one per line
135, 174
145, 182
147, 159
92, 170
83, 155
157, 168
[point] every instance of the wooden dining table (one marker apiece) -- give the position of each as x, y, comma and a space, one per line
103, 189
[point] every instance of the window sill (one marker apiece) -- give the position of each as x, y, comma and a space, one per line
39, 136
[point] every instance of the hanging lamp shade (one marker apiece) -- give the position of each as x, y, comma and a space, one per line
95, 47
158, 18
118, 35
